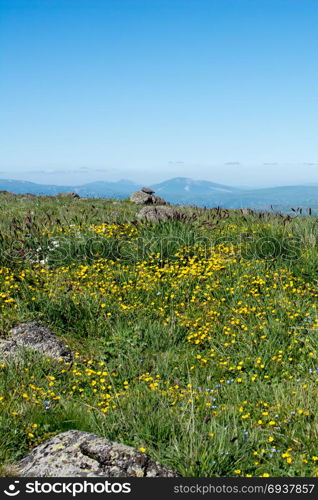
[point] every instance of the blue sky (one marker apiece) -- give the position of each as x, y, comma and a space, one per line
224, 90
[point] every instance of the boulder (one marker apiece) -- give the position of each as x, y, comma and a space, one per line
146, 198
82, 454
157, 200
147, 190
159, 213
36, 337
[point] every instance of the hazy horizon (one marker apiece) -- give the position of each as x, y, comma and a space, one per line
84, 177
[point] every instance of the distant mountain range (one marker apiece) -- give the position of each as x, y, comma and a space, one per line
183, 191
100, 189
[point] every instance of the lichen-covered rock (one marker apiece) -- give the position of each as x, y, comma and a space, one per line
141, 198
36, 337
65, 195
147, 190
82, 454
146, 198
158, 213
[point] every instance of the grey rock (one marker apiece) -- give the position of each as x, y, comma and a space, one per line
159, 213
157, 200
36, 337
82, 454
141, 198
147, 190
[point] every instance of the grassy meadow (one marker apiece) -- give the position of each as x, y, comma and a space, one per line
194, 339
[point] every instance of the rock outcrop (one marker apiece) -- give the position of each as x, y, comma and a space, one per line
147, 190
159, 213
141, 198
82, 454
36, 337
146, 197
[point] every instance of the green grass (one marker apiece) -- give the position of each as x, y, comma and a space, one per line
195, 339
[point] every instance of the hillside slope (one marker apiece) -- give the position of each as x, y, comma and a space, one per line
194, 339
